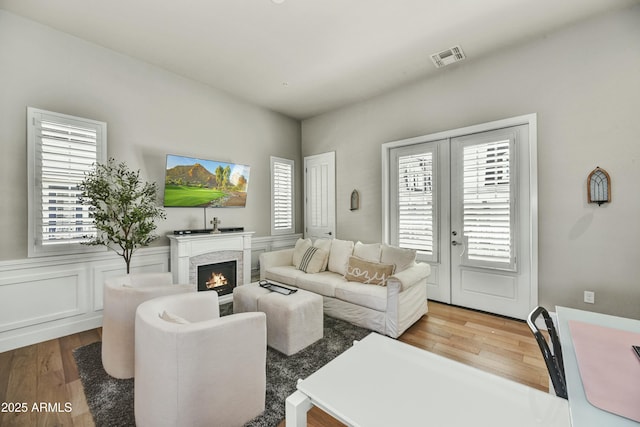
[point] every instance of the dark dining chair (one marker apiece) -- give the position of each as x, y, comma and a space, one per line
553, 359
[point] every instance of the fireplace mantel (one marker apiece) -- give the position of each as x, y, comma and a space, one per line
188, 250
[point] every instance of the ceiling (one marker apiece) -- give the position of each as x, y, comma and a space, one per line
305, 57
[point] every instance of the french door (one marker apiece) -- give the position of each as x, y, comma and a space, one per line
464, 204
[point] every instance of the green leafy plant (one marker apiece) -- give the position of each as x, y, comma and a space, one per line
123, 207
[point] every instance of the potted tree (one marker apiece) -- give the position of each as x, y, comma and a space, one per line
123, 207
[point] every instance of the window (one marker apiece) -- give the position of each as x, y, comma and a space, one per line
413, 192
282, 196
61, 149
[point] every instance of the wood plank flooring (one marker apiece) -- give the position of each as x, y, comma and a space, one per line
46, 372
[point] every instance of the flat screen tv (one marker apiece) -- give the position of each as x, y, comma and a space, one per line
191, 182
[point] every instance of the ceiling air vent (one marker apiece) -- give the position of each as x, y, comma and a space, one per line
448, 56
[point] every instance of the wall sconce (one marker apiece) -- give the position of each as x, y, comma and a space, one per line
599, 186
355, 200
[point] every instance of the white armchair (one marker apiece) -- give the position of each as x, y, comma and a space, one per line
122, 295
195, 368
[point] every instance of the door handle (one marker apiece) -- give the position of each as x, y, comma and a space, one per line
329, 233
456, 243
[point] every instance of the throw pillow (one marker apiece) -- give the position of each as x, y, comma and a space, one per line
298, 252
372, 273
170, 317
370, 252
325, 245
341, 250
313, 260
400, 257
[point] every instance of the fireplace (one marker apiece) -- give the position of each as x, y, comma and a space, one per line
219, 277
191, 251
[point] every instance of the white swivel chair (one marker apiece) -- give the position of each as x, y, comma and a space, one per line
195, 368
122, 295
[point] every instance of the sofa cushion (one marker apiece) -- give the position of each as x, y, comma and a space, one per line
324, 244
341, 250
313, 260
369, 252
323, 283
367, 272
374, 297
298, 251
400, 257
286, 274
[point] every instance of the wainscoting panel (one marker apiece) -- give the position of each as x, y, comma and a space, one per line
52, 295
100, 274
268, 244
141, 263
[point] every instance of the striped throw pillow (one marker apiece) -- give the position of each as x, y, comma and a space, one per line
313, 260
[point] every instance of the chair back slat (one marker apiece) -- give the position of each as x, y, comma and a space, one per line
553, 360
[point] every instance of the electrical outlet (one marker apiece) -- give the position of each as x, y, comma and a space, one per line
589, 297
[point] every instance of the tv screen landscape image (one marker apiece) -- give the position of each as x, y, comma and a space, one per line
191, 182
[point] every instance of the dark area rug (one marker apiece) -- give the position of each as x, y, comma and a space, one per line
111, 400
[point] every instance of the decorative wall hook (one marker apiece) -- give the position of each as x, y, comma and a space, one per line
355, 200
599, 186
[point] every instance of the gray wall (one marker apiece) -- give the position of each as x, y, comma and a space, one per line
582, 81
584, 84
149, 113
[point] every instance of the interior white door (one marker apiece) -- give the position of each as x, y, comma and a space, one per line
320, 196
490, 221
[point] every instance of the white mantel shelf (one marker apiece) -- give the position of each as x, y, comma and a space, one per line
197, 246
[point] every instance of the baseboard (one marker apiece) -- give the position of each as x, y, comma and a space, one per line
45, 332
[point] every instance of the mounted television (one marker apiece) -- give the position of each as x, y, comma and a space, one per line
191, 182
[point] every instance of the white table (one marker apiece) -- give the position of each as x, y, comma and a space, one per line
583, 414
383, 382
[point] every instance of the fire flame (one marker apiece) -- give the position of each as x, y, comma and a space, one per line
216, 279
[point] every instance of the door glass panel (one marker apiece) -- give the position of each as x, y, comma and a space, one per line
487, 204
415, 202
413, 191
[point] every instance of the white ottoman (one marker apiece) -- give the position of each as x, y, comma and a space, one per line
245, 297
293, 321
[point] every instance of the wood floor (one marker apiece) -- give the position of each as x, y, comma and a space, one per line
47, 373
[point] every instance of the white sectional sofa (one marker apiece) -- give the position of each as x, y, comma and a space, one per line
376, 286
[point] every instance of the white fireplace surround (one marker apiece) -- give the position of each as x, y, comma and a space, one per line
188, 252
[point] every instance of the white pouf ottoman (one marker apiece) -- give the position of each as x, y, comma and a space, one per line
245, 297
293, 321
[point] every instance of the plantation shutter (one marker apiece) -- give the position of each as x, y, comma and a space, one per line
488, 210
415, 202
64, 149
282, 196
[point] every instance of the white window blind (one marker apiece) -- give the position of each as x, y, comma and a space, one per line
63, 149
282, 196
415, 227
487, 204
